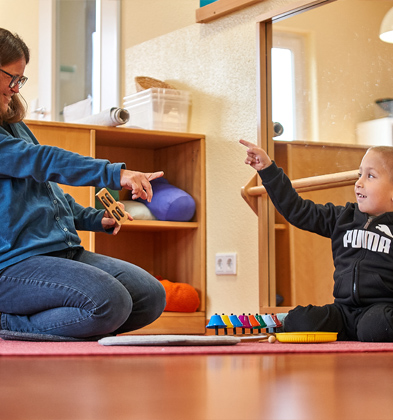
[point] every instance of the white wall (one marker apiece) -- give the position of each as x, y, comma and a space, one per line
149, 19
22, 18
217, 64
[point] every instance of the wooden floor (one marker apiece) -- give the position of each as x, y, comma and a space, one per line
241, 387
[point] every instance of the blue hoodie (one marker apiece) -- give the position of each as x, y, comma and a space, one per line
37, 217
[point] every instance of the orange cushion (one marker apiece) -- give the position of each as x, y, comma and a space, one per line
180, 297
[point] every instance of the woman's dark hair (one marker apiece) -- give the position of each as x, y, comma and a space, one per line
12, 48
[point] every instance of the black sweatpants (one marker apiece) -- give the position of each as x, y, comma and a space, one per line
370, 323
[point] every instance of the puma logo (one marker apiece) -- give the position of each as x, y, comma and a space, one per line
368, 240
385, 230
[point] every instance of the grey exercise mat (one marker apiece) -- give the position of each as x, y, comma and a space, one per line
168, 340
22, 336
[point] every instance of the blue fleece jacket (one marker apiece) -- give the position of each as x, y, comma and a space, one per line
37, 217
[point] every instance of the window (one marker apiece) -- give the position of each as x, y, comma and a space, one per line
79, 50
290, 100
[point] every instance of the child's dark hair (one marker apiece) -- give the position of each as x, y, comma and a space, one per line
13, 48
387, 155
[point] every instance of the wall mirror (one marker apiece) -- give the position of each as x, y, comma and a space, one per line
344, 68
328, 69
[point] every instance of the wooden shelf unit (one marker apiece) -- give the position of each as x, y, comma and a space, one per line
174, 250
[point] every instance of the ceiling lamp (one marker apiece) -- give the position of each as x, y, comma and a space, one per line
386, 30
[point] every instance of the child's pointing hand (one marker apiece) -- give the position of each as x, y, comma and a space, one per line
257, 158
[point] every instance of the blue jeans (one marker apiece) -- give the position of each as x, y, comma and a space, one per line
77, 293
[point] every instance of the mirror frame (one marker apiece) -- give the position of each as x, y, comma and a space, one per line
265, 208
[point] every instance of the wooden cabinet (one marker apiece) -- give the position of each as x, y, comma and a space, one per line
173, 250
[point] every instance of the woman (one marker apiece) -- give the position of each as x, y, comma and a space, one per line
48, 283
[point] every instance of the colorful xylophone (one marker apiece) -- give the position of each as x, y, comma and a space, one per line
249, 322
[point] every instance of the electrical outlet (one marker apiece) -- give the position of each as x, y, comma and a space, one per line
226, 264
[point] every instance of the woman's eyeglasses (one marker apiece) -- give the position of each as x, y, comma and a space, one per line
15, 80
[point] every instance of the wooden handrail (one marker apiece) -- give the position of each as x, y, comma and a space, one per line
250, 192
320, 182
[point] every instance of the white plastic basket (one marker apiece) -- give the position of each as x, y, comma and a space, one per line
159, 109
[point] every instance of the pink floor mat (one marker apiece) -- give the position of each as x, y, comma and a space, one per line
25, 348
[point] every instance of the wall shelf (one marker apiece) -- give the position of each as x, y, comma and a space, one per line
221, 8
157, 225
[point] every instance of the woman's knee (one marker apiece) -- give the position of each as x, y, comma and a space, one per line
147, 308
159, 296
154, 301
376, 324
113, 306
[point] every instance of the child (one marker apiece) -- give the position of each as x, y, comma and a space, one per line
361, 235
